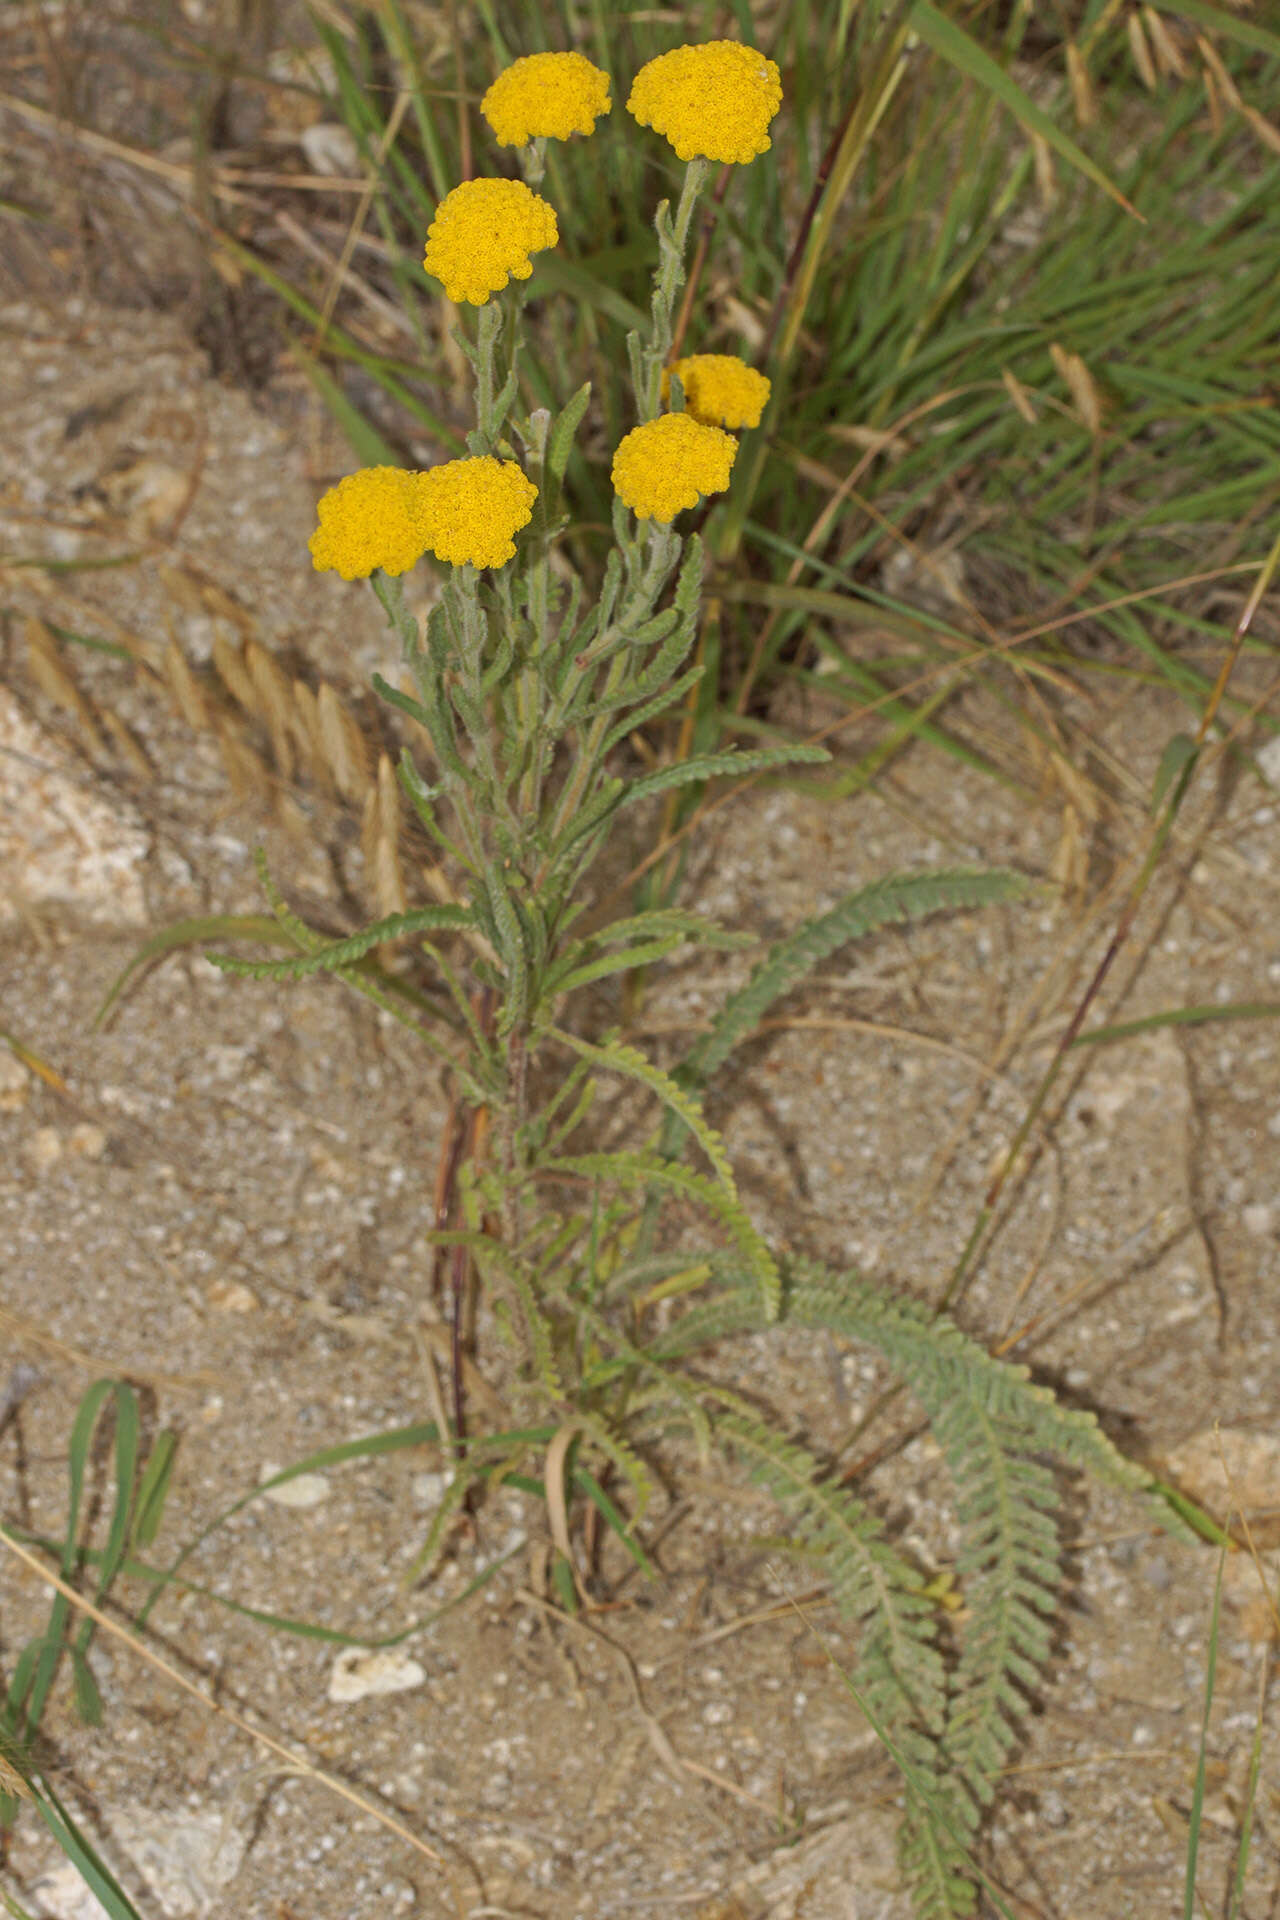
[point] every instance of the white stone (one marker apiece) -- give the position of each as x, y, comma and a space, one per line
15, 1082
185, 1858
304, 1490
427, 1490
61, 1894
232, 1296
1268, 758
1257, 1220
330, 149
43, 1148
357, 1673
62, 842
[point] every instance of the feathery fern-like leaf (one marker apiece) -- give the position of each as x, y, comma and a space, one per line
720, 766
337, 954
888, 902
900, 1670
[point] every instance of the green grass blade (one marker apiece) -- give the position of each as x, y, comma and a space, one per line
952, 44
1189, 1892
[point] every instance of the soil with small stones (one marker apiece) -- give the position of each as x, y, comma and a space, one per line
222, 1197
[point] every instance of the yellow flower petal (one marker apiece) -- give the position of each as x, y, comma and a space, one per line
720, 389
667, 464
483, 234
548, 96
370, 519
713, 101
471, 509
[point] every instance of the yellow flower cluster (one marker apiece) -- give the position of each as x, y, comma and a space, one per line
370, 519
465, 512
546, 96
473, 508
483, 234
715, 101
719, 389
667, 464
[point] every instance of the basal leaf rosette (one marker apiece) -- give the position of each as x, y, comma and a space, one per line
484, 234
471, 510
668, 464
547, 96
713, 101
720, 390
371, 519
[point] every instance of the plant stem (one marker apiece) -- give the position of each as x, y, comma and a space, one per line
672, 239
488, 331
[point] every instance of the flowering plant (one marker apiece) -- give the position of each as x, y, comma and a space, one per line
524, 688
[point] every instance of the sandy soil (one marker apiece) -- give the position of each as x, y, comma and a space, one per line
222, 1198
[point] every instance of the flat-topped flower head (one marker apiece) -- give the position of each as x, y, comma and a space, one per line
667, 464
371, 519
713, 101
472, 509
483, 234
719, 389
547, 96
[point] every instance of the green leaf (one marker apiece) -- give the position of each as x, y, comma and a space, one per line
192, 933
569, 419
88, 1698
148, 1506
1178, 757
721, 766
1180, 1017
344, 953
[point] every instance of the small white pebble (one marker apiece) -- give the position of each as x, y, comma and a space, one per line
87, 1140
304, 1490
43, 1148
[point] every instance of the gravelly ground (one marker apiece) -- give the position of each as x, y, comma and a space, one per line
226, 1201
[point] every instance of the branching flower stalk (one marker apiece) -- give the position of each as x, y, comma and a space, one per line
526, 688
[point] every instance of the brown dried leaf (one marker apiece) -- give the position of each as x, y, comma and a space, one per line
126, 745
344, 745
53, 680
245, 770
275, 703
1140, 53
306, 731
1019, 396
1082, 99
229, 664
1164, 44
1088, 401
1046, 172
184, 687
1269, 135
1213, 64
